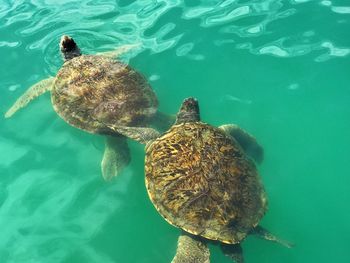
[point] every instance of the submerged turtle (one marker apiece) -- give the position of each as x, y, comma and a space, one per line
92, 91
200, 180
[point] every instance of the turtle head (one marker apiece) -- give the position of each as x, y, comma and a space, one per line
189, 111
69, 48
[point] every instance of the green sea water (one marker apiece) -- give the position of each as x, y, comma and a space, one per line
279, 69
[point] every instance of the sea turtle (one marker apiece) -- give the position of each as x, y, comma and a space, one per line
200, 180
91, 91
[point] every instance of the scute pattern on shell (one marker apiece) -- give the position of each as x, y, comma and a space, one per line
90, 91
200, 180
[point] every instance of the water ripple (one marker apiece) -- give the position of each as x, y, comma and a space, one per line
48, 204
274, 50
9, 44
197, 12
341, 9
278, 48
184, 49
236, 13
143, 22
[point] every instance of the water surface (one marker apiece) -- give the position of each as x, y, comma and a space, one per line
279, 69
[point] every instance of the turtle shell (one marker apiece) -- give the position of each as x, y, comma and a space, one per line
200, 180
91, 92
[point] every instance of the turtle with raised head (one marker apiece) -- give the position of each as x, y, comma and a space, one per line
201, 180
92, 91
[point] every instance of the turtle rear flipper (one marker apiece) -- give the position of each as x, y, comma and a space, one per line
30, 94
233, 251
116, 156
119, 50
140, 134
191, 250
263, 233
248, 142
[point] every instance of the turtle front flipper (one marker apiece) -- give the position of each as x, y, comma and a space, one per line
30, 94
265, 234
249, 144
116, 156
119, 50
233, 251
191, 249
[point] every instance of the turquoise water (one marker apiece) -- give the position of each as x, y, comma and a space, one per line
279, 69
